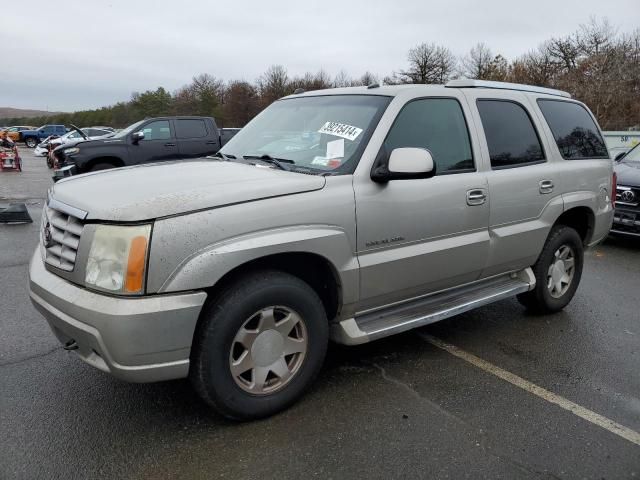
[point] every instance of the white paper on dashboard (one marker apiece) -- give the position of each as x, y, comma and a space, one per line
335, 149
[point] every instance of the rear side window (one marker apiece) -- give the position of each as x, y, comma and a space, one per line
438, 125
191, 128
511, 137
574, 130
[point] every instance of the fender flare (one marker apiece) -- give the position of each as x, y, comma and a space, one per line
207, 266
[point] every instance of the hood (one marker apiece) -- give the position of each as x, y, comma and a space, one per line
82, 134
628, 174
85, 143
172, 188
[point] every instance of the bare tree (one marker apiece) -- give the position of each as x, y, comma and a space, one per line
241, 103
564, 51
428, 63
477, 63
341, 80
273, 84
536, 67
367, 78
595, 36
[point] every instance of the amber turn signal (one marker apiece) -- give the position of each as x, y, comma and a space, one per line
136, 264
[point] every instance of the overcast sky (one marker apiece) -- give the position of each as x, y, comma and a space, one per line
86, 54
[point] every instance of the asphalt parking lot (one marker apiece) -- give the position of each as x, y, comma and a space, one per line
493, 393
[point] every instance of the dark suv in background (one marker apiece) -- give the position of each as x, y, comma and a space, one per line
626, 219
149, 140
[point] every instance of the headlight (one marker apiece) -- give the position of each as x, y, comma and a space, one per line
118, 258
71, 151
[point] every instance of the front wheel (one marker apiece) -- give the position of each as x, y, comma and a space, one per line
259, 345
31, 142
557, 271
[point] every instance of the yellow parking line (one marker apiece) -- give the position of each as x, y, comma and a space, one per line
584, 413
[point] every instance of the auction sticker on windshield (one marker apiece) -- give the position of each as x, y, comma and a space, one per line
341, 130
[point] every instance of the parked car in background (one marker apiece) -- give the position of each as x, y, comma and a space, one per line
149, 140
351, 213
32, 138
14, 132
87, 133
626, 219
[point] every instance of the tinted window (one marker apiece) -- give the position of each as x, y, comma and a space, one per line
191, 128
574, 130
511, 136
158, 130
438, 125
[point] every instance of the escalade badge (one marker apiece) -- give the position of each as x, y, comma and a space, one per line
628, 196
46, 233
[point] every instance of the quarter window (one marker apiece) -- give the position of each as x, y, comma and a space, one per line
511, 137
574, 130
158, 130
190, 128
438, 125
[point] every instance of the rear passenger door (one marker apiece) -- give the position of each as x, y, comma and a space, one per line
195, 138
159, 143
522, 182
422, 235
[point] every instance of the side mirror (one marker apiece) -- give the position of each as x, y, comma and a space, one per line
619, 156
406, 164
137, 136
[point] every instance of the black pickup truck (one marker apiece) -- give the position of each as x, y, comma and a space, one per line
149, 140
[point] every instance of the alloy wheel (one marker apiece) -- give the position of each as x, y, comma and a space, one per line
268, 350
561, 270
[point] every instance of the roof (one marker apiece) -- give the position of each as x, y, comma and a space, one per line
394, 90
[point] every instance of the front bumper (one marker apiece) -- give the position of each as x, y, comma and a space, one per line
626, 221
64, 172
145, 339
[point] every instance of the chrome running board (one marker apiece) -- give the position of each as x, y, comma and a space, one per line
433, 308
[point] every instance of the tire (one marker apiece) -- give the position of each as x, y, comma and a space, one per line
245, 308
101, 166
31, 142
553, 290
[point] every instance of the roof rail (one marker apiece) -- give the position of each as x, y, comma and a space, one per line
469, 83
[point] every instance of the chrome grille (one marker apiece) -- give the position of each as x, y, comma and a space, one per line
629, 196
60, 236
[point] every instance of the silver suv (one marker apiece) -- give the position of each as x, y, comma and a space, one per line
349, 214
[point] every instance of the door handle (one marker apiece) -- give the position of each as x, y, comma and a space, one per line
212, 142
546, 186
169, 144
476, 197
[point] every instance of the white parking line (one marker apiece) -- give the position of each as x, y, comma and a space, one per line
551, 397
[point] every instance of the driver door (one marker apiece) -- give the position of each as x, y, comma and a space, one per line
417, 236
159, 143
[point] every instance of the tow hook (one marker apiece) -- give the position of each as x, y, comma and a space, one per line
71, 345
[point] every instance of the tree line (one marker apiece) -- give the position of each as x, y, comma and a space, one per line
597, 64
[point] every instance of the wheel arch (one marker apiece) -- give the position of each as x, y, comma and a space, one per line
314, 269
581, 219
112, 159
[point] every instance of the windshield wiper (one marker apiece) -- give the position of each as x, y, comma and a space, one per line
278, 162
224, 156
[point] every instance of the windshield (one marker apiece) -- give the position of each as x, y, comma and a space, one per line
131, 128
322, 134
632, 156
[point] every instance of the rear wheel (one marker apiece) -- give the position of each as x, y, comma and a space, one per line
259, 345
557, 271
31, 142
